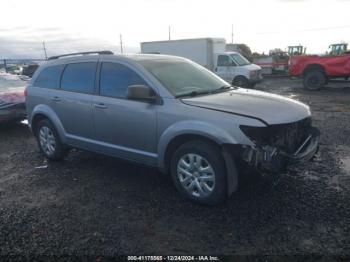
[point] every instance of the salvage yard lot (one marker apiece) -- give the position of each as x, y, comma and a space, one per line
95, 205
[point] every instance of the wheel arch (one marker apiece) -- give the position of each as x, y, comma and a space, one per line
44, 112
239, 76
182, 132
311, 67
230, 165
179, 140
36, 119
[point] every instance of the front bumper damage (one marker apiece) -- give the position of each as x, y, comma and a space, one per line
274, 158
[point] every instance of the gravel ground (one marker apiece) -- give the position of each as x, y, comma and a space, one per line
95, 205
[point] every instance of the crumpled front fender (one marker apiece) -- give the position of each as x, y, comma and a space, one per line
191, 127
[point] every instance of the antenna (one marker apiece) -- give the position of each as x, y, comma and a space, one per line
121, 44
169, 33
44, 47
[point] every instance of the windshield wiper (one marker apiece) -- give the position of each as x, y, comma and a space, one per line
197, 93
193, 93
220, 89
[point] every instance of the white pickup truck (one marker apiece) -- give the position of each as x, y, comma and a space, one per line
210, 53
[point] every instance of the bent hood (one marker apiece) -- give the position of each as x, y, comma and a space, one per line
271, 109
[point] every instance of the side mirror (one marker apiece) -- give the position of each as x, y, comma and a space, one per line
141, 93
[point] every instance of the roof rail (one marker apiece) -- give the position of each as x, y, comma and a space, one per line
106, 52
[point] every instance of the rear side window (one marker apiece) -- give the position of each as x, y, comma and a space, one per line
79, 77
115, 79
49, 77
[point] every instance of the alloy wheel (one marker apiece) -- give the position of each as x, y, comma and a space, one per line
47, 140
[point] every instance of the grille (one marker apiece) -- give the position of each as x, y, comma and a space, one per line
288, 137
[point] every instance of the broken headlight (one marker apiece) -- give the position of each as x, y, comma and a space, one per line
256, 134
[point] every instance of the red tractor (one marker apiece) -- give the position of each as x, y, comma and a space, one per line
316, 71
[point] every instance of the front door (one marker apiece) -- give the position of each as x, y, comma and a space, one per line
123, 127
225, 67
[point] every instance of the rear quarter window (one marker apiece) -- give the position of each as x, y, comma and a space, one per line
49, 77
79, 77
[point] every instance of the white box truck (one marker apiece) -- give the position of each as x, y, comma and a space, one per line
210, 53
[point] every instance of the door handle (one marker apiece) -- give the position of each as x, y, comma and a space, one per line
216, 69
55, 98
101, 106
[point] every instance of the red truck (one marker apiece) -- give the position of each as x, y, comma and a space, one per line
317, 70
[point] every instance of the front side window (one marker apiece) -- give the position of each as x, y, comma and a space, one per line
49, 77
115, 79
224, 60
79, 77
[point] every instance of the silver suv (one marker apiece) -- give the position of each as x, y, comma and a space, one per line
166, 112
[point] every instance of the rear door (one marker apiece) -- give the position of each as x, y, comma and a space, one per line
45, 87
73, 101
125, 128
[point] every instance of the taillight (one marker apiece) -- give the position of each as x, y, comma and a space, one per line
26, 91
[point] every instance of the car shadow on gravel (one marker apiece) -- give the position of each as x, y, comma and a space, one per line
106, 205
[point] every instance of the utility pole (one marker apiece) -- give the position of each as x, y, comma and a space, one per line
169, 33
5, 65
121, 44
232, 35
44, 47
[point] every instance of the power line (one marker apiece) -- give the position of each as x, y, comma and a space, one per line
232, 34
305, 30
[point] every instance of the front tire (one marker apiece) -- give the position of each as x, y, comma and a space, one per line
251, 85
198, 172
241, 81
48, 140
314, 80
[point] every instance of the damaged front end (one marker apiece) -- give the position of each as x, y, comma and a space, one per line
277, 146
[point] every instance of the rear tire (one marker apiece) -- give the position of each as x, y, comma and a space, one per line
314, 80
198, 172
49, 141
241, 81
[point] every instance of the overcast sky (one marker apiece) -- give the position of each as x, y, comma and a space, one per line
81, 25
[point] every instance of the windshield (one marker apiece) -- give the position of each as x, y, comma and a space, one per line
183, 78
240, 60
